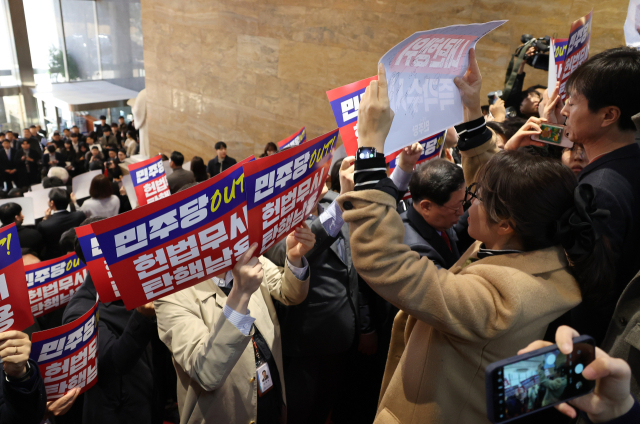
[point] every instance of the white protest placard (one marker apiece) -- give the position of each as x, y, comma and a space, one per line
420, 72
186, 166
632, 24
40, 201
127, 182
36, 187
167, 169
27, 208
82, 183
552, 78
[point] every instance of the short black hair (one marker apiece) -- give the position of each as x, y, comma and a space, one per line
177, 158
8, 213
95, 165
60, 198
76, 135
32, 126
50, 182
610, 78
131, 134
435, 180
103, 117
508, 128
113, 124
75, 126
1, 134
220, 145
95, 146
6, 140
106, 128
120, 117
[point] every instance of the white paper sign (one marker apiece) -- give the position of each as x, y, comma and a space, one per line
186, 166
27, 208
632, 24
127, 182
552, 78
36, 187
40, 201
167, 169
420, 73
82, 183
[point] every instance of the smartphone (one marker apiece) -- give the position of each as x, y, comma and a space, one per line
524, 384
553, 134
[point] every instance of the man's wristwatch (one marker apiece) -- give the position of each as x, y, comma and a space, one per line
24, 377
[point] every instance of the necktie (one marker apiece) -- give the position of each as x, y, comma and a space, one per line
446, 239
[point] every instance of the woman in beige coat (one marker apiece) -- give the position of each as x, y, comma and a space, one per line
213, 337
500, 295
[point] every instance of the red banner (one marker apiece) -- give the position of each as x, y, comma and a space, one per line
282, 189
52, 283
293, 140
68, 355
98, 269
177, 242
149, 180
15, 313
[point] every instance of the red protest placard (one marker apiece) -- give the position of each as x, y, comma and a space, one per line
577, 50
15, 313
52, 283
431, 149
149, 180
345, 102
68, 355
294, 139
98, 269
283, 188
177, 242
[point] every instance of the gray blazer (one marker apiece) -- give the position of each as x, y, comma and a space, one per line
178, 178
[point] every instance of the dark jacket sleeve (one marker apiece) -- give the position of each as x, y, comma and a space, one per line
24, 402
516, 92
116, 353
210, 167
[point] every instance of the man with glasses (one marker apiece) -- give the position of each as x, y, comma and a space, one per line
439, 195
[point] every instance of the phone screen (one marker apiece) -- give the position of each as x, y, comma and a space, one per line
551, 133
541, 381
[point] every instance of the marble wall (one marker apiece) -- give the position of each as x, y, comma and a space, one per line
248, 71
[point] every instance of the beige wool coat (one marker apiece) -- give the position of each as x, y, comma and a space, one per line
453, 323
214, 361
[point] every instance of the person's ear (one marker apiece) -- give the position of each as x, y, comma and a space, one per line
610, 115
426, 205
504, 228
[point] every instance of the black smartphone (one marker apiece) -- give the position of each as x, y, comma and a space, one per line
524, 384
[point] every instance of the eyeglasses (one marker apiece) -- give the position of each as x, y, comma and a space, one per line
456, 210
470, 194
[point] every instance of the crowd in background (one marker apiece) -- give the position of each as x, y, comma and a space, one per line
376, 309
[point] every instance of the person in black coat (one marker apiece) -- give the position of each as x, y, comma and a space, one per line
52, 158
11, 166
31, 159
320, 336
125, 391
23, 399
29, 237
56, 221
438, 193
221, 162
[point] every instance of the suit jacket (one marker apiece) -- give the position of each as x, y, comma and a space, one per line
13, 163
124, 392
327, 321
222, 387
178, 178
46, 160
53, 227
457, 321
105, 141
616, 180
213, 167
423, 238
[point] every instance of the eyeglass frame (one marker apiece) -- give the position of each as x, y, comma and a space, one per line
470, 194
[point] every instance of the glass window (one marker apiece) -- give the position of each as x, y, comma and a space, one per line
80, 36
44, 41
120, 35
8, 66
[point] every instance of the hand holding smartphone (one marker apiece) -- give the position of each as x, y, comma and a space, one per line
553, 134
524, 384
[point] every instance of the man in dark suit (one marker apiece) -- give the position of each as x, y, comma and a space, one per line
52, 158
438, 192
56, 221
30, 157
221, 162
34, 142
320, 336
179, 177
11, 166
29, 237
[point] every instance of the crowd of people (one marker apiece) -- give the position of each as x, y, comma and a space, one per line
375, 308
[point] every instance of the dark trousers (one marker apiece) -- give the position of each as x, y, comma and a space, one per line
312, 385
